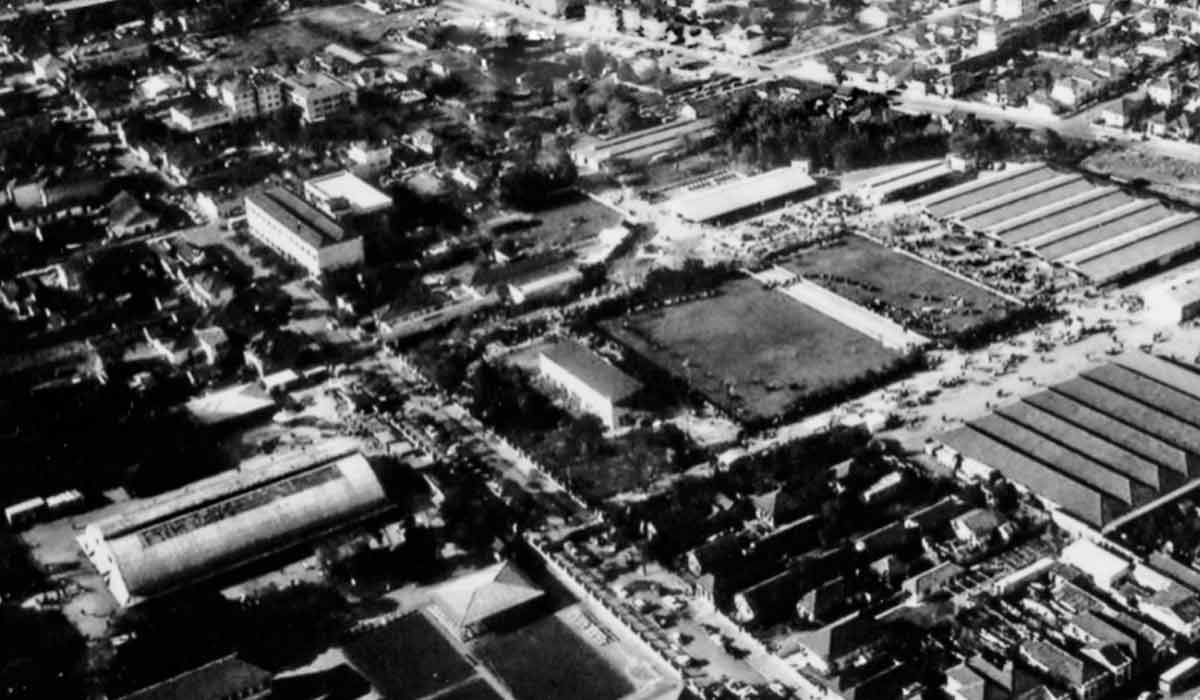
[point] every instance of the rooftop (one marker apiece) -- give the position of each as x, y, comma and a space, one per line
476, 597
307, 221
224, 678
345, 185
715, 202
592, 370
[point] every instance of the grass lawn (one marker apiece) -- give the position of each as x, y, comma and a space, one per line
548, 660
756, 353
408, 659
918, 296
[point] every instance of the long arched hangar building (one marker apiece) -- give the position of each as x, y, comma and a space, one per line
214, 525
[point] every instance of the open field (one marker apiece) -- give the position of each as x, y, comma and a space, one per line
756, 353
918, 296
408, 658
549, 660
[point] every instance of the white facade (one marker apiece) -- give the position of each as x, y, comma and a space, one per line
193, 118
319, 95
1015, 9
251, 98
588, 398
341, 189
286, 238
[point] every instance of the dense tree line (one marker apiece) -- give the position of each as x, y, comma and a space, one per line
865, 131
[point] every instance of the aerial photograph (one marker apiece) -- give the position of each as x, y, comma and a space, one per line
600, 350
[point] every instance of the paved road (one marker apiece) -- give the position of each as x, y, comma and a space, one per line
1077, 126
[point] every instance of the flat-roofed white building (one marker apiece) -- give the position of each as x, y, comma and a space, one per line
319, 94
301, 232
342, 192
1174, 302
597, 386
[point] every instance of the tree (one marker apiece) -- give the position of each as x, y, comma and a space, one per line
594, 60
622, 115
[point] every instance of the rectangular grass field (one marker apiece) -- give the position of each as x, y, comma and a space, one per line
920, 297
549, 660
408, 659
752, 351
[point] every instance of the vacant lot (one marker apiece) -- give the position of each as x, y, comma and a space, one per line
756, 353
548, 660
408, 658
918, 296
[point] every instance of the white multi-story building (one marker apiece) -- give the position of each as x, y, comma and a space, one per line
252, 96
596, 386
198, 114
1015, 9
319, 95
300, 232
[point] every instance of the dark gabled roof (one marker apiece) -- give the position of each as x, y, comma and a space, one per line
840, 637
125, 210
1178, 600
1184, 575
1104, 630
1098, 448
217, 680
589, 368
717, 551
1073, 670
1149, 446
823, 598
294, 213
1148, 391
779, 506
1067, 462
1164, 372
1133, 413
1075, 496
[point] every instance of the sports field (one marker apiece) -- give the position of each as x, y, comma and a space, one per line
918, 296
408, 659
549, 660
756, 353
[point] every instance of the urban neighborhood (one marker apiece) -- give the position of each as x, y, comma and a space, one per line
600, 350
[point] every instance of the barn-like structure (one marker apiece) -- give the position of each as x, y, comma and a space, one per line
214, 525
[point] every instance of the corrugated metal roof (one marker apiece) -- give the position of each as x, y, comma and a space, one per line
1148, 446
1164, 371
200, 542
1098, 449
1147, 391
1074, 496
1061, 459
715, 202
1132, 413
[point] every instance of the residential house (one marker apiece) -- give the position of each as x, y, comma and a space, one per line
976, 527
826, 649
1163, 91
964, 683
930, 581
127, 217
108, 52
776, 508
822, 600
1156, 124
1086, 678
933, 517
1175, 608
